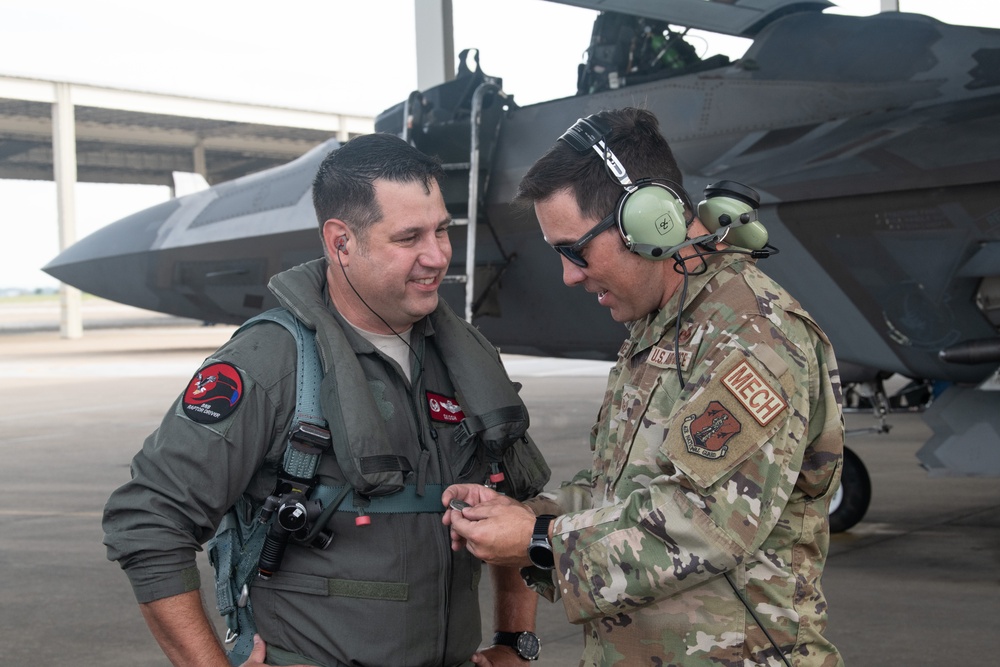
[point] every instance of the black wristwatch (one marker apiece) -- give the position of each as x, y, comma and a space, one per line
540, 547
527, 644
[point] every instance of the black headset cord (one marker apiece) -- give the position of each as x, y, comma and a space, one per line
354, 289
757, 620
680, 376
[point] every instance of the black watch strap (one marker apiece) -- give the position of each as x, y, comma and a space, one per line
540, 547
525, 643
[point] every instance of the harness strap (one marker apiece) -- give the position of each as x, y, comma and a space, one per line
309, 436
220, 553
384, 462
472, 425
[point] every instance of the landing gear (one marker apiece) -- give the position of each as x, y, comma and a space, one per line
850, 502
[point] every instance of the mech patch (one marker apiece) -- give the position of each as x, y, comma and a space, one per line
754, 393
444, 408
714, 433
213, 393
707, 434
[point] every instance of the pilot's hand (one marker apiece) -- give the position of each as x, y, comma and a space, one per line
498, 656
496, 531
259, 653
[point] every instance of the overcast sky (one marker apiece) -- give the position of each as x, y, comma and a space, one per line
328, 55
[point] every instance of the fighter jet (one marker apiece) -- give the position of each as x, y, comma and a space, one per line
874, 143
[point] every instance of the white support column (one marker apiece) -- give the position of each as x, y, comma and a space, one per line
435, 42
198, 158
64, 166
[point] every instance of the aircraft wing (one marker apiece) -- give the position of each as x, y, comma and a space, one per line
742, 18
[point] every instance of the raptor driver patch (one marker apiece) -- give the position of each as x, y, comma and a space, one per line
213, 393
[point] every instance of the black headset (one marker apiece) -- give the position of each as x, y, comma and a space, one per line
653, 214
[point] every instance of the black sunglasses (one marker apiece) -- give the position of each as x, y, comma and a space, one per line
572, 252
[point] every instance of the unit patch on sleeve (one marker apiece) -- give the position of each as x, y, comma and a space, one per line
707, 434
728, 419
213, 393
444, 408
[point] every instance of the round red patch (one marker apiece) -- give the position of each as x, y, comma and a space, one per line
213, 393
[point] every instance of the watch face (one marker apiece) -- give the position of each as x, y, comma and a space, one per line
541, 556
528, 645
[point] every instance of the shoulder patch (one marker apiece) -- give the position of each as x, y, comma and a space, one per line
727, 421
213, 393
707, 434
754, 393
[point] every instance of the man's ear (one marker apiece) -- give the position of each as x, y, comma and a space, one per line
336, 239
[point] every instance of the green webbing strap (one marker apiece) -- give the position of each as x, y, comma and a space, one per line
402, 502
302, 455
302, 460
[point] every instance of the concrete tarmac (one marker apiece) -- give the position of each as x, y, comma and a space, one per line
916, 583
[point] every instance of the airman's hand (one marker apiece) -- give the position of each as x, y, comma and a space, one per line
470, 494
496, 531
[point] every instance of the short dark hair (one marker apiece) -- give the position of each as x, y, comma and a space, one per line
344, 187
635, 138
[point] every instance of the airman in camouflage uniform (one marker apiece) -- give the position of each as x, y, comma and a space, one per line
732, 475
715, 454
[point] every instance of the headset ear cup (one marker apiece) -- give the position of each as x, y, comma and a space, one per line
652, 219
724, 204
708, 215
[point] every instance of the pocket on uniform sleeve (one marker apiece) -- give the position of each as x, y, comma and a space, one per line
727, 420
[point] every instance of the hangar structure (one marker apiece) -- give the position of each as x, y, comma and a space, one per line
124, 136
69, 132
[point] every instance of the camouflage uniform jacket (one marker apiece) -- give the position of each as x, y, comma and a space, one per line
730, 473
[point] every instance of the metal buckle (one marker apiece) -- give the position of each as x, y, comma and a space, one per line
244, 597
462, 435
231, 636
310, 435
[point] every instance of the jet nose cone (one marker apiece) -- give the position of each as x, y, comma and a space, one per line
97, 263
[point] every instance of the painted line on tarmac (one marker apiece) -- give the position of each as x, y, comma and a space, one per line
43, 513
525, 366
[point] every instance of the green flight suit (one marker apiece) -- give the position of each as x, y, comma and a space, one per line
391, 592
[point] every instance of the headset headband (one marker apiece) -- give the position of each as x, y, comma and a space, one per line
589, 133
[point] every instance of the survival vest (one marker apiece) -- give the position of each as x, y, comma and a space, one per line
250, 541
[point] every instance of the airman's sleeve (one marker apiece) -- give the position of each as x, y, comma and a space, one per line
709, 476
